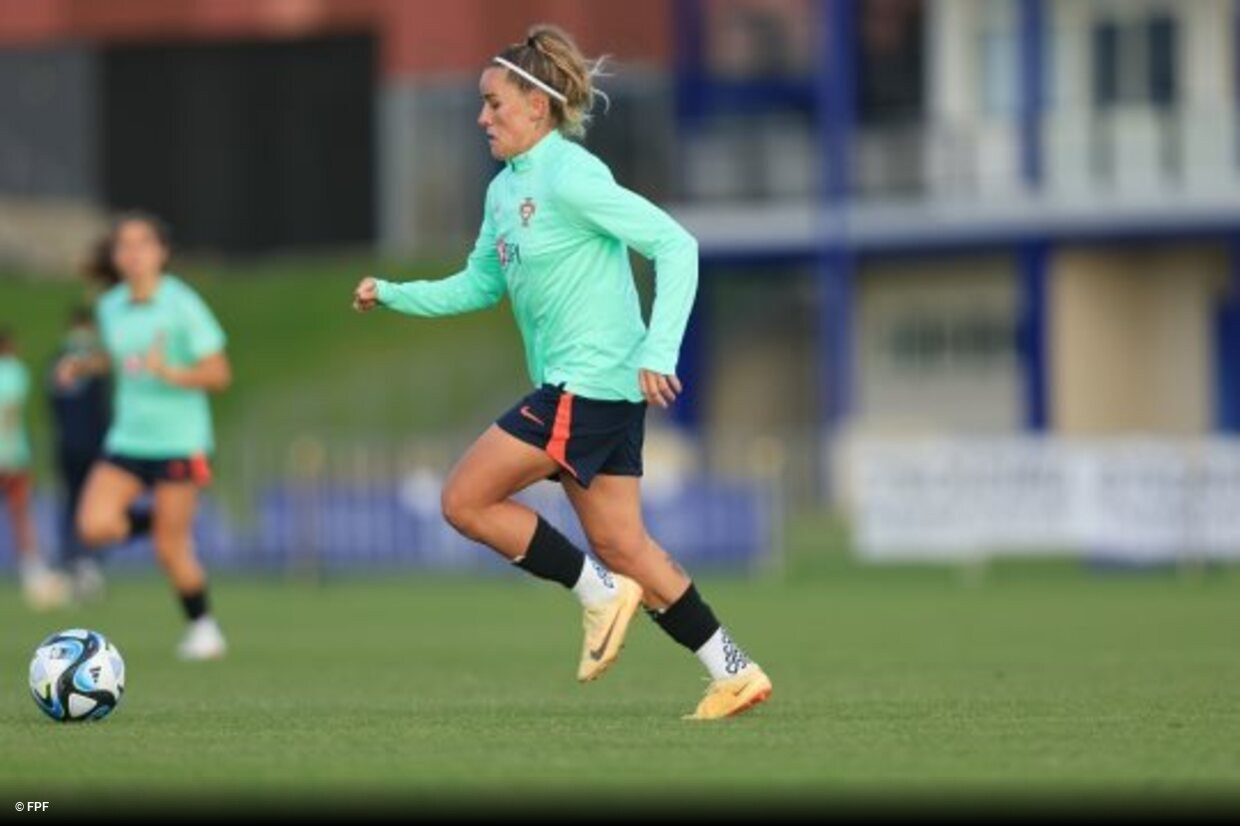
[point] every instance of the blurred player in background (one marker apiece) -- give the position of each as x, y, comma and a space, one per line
80, 411
43, 587
165, 350
555, 237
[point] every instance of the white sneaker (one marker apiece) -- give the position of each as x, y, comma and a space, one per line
203, 640
43, 588
88, 582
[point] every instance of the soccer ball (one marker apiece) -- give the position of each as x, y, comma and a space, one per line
77, 675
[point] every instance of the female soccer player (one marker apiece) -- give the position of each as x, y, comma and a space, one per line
79, 424
166, 351
555, 237
43, 587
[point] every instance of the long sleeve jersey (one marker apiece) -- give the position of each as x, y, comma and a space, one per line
555, 237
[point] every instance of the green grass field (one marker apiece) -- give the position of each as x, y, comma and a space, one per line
302, 358
1043, 681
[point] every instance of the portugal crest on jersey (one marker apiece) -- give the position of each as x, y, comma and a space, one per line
526, 211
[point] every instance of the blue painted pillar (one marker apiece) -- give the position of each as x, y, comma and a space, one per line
687, 28
836, 296
1227, 316
1031, 74
1032, 259
690, 78
1033, 256
1227, 349
835, 94
693, 367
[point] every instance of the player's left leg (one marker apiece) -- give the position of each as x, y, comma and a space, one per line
477, 502
172, 535
44, 588
610, 514
82, 567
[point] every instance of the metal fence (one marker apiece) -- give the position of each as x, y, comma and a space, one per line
332, 502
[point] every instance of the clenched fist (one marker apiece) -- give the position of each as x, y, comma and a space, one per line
366, 295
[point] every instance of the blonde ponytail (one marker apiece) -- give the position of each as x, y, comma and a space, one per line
550, 55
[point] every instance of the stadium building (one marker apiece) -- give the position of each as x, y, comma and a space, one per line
1028, 204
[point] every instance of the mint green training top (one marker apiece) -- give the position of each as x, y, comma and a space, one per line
151, 418
14, 387
555, 237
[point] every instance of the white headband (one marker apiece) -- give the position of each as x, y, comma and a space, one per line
512, 67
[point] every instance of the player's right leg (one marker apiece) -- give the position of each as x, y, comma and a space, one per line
477, 502
103, 513
476, 498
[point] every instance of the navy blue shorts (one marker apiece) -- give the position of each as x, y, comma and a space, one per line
195, 469
585, 436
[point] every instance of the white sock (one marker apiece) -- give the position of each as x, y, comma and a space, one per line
596, 585
32, 566
722, 657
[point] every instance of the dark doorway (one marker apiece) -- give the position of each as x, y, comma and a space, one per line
244, 146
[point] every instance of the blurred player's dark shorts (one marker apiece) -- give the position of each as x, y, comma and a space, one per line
585, 436
195, 469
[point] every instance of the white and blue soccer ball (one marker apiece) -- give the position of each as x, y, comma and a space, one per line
77, 675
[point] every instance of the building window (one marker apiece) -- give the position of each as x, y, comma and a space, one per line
1161, 32
926, 342
752, 39
998, 58
891, 75
998, 73
1134, 61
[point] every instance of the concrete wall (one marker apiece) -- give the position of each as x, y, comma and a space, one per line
48, 123
1130, 338
49, 161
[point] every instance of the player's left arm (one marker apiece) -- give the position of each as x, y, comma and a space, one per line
591, 194
210, 368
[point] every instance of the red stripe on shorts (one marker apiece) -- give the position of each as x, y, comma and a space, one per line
200, 469
557, 448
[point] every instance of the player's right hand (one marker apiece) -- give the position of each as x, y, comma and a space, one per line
658, 388
66, 372
366, 295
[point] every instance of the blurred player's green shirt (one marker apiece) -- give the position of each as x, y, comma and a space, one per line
14, 387
151, 418
555, 237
